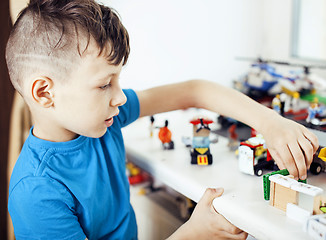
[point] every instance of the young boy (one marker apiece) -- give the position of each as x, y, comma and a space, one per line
64, 58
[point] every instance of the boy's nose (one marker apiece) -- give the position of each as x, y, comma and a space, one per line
119, 98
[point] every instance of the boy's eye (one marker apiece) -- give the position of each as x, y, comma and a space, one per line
105, 86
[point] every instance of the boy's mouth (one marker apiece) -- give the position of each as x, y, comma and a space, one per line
109, 122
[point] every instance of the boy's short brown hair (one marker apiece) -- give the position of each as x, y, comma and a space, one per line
50, 36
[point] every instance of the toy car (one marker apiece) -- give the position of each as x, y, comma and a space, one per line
254, 157
200, 152
318, 164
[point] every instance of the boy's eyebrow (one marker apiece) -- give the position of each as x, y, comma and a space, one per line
106, 77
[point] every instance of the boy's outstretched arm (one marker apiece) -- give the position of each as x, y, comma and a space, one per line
206, 223
291, 145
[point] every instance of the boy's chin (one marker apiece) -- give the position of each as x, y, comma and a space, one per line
98, 134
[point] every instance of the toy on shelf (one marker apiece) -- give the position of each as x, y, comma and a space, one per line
315, 226
299, 200
313, 111
293, 104
284, 190
165, 136
135, 174
259, 80
263, 76
318, 164
152, 127
276, 104
254, 157
200, 152
266, 181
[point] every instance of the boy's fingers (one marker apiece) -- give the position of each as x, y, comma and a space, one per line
312, 139
277, 159
299, 160
308, 150
288, 161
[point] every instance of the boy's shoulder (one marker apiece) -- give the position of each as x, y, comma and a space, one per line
37, 157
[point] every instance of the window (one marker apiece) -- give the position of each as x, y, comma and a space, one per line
309, 30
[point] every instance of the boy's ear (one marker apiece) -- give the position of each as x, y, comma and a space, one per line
42, 91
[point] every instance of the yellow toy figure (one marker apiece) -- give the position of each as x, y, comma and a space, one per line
276, 103
313, 110
295, 102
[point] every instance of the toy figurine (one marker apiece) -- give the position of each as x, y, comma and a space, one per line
313, 110
284, 106
276, 104
200, 152
294, 105
165, 136
151, 128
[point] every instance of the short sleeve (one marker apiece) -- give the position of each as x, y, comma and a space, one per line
41, 208
130, 111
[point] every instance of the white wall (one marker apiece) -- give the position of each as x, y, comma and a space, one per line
176, 40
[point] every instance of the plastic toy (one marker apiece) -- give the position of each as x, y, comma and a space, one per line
313, 111
266, 181
299, 200
254, 157
318, 164
165, 136
262, 77
200, 152
135, 174
315, 226
284, 190
276, 104
152, 127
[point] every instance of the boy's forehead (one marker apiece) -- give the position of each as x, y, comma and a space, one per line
92, 61
92, 49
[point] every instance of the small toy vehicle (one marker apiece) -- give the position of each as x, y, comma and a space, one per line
200, 152
318, 164
254, 157
201, 156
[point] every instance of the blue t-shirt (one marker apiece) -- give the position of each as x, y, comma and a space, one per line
75, 189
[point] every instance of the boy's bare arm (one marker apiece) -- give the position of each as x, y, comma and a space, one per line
290, 144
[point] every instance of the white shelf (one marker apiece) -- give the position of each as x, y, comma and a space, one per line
242, 203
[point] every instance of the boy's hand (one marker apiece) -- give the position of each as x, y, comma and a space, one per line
206, 223
291, 145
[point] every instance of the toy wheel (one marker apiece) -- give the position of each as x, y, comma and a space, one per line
315, 168
258, 171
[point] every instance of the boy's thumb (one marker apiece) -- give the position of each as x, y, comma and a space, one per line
210, 194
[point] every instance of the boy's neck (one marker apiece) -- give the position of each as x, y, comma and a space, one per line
52, 134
